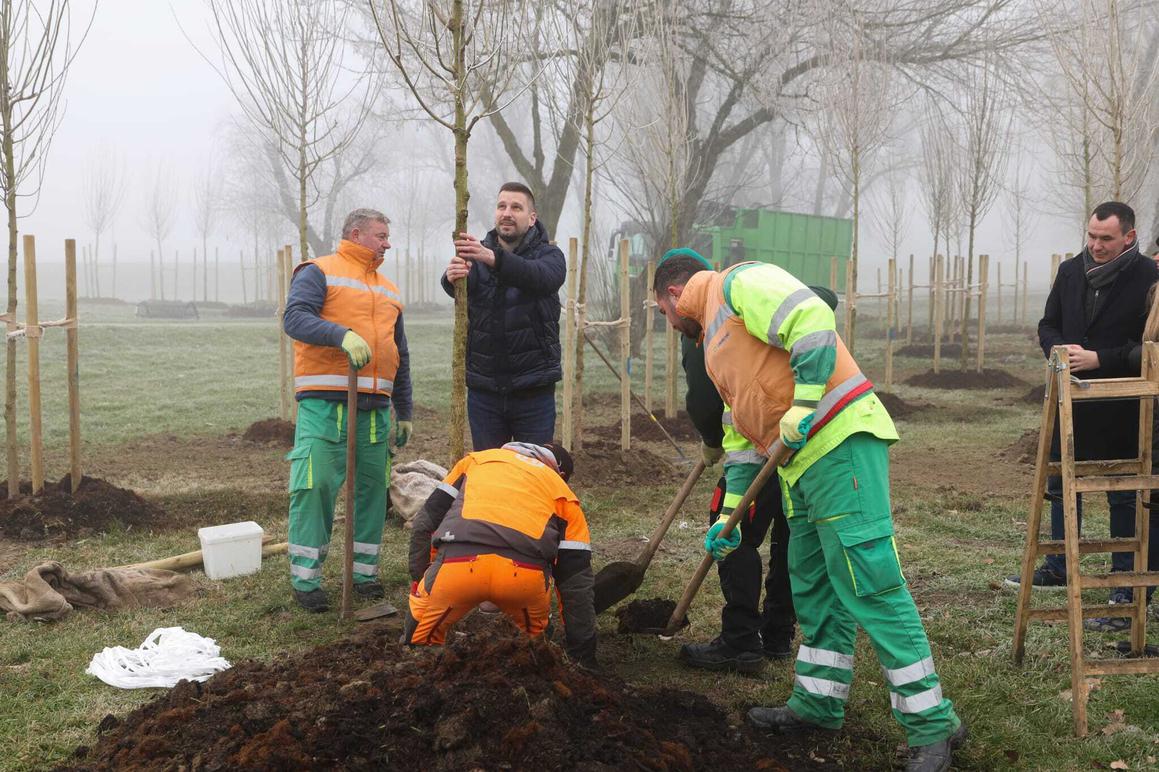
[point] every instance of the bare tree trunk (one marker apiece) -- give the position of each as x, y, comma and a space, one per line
851, 292
241, 262
577, 410
965, 327
114, 290
462, 197
10, 359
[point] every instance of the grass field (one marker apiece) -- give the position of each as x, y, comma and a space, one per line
163, 403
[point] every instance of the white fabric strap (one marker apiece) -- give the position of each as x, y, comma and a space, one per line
825, 658
907, 675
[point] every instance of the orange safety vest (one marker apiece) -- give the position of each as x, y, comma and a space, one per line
754, 378
360, 298
513, 505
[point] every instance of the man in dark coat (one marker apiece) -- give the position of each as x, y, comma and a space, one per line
513, 352
1097, 308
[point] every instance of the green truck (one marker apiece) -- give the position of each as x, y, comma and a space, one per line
802, 244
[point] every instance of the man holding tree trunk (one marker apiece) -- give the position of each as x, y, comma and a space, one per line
513, 350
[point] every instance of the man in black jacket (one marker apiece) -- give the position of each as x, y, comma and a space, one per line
1097, 308
513, 352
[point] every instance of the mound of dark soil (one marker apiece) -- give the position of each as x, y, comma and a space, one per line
644, 616
644, 428
1035, 396
926, 350
896, 406
57, 512
1023, 450
483, 702
966, 379
271, 431
601, 462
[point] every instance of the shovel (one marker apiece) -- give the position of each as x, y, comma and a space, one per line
777, 455
618, 580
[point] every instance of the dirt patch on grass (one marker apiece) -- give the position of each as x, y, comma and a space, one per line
483, 702
59, 513
926, 350
646, 616
898, 407
989, 378
679, 428
1024, 450
1035, 396
602, 463
270, 431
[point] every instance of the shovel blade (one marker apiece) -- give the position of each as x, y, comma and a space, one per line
616, 581
375, 612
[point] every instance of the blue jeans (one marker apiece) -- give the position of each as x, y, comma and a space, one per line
521, 416
1122, 506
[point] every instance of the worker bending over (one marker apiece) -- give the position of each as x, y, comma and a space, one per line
499, 528
771, 348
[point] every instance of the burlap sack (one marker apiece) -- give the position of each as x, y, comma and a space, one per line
410, 485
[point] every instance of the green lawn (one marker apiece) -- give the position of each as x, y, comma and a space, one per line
960, 508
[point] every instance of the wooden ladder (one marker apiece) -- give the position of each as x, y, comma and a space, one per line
1062, 391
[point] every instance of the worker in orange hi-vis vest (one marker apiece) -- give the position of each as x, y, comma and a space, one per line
501, 527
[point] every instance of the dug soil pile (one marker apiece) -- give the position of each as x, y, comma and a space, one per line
1035, 396
646, 616
58, 513
896, 406
966, 379
497, 702
679, 428
1025, 449
601, 462
271, 431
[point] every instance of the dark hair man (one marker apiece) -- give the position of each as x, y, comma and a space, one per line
1097, 308
513, 353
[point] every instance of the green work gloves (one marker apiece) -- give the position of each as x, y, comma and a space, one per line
710, 455
721, 548
357, 350
402, 433
795, 425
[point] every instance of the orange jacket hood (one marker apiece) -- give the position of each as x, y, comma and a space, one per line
694, 297
359, 254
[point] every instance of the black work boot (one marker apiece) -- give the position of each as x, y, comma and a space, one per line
314, 601
937, 756
780, 719
369, 590
718, 655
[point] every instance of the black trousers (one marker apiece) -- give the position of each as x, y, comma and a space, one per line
743, 620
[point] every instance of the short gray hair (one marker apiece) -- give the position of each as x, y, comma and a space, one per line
359, 218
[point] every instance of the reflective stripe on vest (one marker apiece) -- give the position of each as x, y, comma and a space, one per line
308, 381
342, 281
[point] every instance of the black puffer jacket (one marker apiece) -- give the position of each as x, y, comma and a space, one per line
513, 315
1102, 429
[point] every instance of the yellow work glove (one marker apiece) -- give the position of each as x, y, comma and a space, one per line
357, 350
795, 425
710, 455
402, 433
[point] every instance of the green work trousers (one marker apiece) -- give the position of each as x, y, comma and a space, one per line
318, 472
845, 572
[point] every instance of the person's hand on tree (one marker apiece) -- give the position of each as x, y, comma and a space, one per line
468, 247
458, 269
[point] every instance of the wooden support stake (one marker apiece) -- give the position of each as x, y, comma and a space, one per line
32, 335
998, 308
878, 271
889, 322
833, 273
939, 309
1054, 261
984, 281
670, 344
284, 394
73, 356
649, 323
930, 299
288, 375
1025, 289
569, 333
625, 349
909, 319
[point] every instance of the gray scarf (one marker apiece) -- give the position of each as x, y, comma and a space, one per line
1101, 275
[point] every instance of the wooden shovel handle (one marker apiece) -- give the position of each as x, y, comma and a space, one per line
670, 515
351, 460
777, 455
